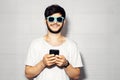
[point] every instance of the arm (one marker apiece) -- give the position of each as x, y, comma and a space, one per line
33, 71
71, 71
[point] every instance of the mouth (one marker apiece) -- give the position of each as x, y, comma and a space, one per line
54, 28
55, 25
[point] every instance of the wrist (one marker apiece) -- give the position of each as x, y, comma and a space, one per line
43, 64
66, 64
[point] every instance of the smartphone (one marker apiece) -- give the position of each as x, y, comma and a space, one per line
54, 51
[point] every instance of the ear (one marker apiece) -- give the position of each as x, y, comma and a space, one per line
45, 20
65, 21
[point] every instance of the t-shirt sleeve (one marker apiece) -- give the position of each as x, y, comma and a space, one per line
75, 56
33, 54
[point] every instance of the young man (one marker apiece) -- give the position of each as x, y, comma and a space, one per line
63, 62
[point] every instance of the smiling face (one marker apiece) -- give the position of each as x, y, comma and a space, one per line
55, 23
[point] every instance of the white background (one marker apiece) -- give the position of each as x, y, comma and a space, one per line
93, 24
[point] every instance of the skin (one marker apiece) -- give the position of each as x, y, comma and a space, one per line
54, 39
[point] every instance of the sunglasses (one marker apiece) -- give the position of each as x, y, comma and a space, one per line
55, 19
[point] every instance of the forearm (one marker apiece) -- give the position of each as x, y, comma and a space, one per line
32, 71
73, 73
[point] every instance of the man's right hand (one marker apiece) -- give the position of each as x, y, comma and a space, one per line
49, 60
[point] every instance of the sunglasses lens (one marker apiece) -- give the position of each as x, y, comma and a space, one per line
50, 19
60, 19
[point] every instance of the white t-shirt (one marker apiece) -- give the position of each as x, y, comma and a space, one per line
40, 47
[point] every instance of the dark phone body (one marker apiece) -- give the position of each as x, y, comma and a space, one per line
54, 51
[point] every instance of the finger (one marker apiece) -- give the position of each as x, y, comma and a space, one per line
50, 55
52, 58
59, 60
58, 57
51, 62
59, 64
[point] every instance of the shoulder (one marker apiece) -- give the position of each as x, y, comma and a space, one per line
37, 41
71, 42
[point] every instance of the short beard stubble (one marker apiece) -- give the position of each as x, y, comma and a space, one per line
55, 32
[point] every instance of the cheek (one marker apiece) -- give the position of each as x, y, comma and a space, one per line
48, 24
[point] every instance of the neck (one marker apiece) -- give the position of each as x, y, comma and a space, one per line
52, 36
54, 39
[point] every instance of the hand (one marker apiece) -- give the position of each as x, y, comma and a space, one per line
49, 60
60, 60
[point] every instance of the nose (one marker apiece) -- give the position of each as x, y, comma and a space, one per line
55, 21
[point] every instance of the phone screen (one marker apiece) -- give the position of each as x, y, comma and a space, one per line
54, 51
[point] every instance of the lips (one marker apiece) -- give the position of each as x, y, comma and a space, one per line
55, 25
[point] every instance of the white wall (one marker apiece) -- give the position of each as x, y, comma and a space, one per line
93, 24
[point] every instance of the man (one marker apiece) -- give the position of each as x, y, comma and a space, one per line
63, 62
